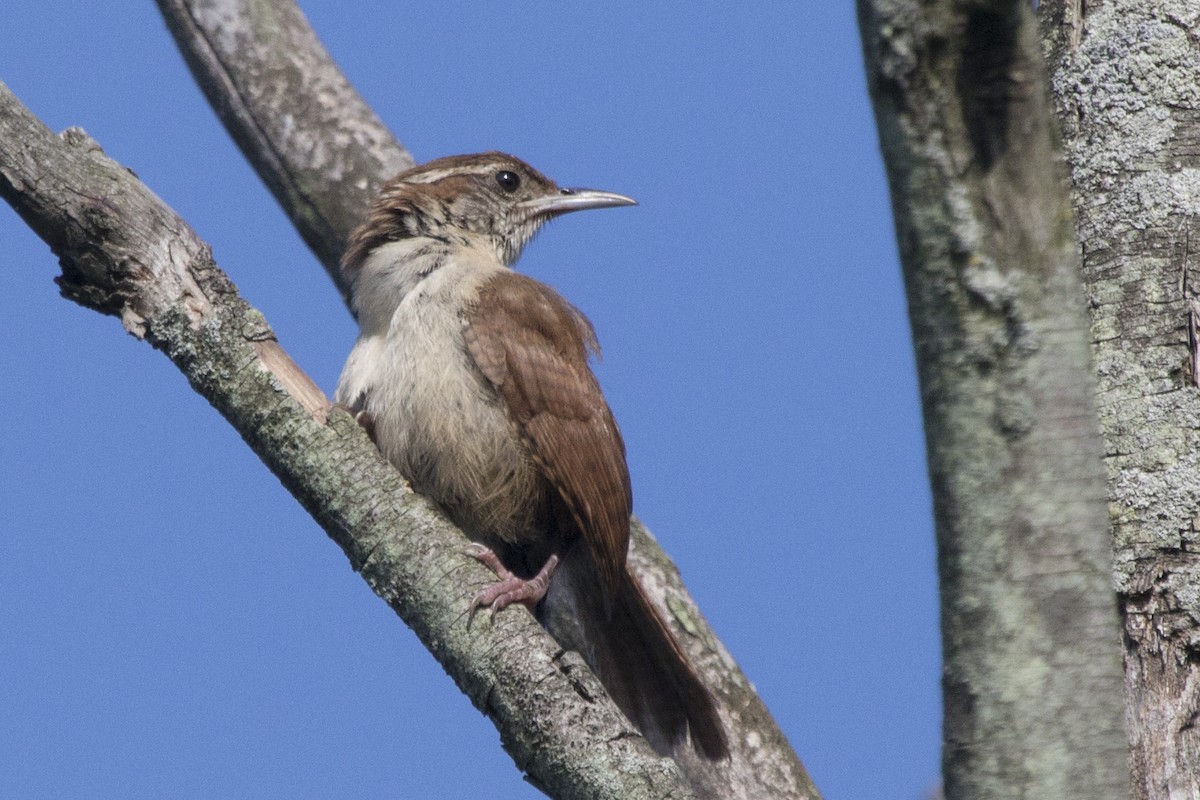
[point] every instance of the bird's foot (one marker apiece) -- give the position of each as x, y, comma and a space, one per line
509, 589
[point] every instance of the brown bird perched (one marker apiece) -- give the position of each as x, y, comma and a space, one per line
475, 382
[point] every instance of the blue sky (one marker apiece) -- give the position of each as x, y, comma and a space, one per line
173, 625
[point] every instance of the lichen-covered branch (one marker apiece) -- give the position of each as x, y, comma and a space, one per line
1032, 671
123, 252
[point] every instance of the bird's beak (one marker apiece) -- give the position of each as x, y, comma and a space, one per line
574, 200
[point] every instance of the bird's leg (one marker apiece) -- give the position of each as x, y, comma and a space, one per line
510, 589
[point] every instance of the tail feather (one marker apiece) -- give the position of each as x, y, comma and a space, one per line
636, 657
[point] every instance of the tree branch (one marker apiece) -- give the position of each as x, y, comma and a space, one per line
123, 252
983, 219
312, 139
259, 64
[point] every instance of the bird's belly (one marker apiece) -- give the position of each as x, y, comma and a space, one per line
444, 428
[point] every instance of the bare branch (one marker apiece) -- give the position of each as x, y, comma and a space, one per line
259, 64
316, 144
125, 253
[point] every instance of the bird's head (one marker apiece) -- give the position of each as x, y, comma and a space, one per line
491, 200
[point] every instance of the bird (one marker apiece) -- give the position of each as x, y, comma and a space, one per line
475, 383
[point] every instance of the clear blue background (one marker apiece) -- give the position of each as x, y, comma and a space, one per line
173, 625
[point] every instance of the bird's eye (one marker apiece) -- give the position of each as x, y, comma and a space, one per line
508, 180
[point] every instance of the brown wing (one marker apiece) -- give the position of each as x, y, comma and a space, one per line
532, 345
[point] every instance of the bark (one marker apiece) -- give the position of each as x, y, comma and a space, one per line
1125, 79
983, 221
252, 42
237, 50
117, 258
123, 252
312, 139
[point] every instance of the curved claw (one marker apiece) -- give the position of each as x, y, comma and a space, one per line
509, 589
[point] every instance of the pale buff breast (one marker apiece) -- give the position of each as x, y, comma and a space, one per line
436, 418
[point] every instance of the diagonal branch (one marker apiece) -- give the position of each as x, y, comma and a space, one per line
259, 63
125, 253
312, 139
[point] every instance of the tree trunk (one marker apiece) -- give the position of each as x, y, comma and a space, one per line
991, 268
1125, 77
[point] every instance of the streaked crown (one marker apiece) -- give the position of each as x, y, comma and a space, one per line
491, 198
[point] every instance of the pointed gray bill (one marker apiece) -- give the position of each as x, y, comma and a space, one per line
575, 200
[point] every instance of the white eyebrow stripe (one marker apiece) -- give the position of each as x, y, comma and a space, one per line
435, 175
